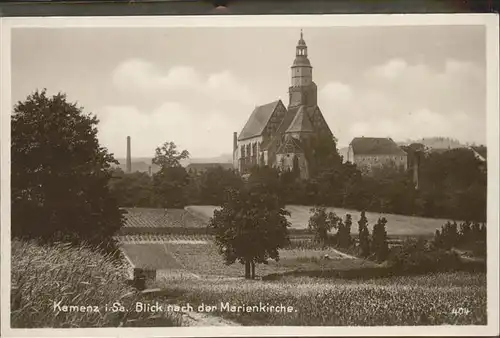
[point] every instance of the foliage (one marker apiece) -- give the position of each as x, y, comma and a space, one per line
380, 247
453, 185
469, 236
169, 187
60, 174
251, 225
322, 222
322, 154
344, 239
167, 155
131, 190
364, 236
419, 256
214, 182
44, 275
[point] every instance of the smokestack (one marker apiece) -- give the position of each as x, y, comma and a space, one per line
129, 158
149, 171
235, 141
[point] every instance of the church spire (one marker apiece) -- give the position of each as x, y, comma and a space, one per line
302, 90
301, 46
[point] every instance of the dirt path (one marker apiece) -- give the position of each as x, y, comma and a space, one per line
203, 319
343, 255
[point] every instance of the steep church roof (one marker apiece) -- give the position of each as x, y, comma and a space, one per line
375, 146
258, 120
283, 126
291, 145
300, 123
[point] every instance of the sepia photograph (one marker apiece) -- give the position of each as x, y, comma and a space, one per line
211, 175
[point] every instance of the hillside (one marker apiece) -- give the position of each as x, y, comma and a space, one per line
142, 164
436, 142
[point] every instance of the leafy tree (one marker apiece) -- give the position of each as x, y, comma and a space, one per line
167, 155
251, 226
364, 236
322, 154
169, 187
60, 174
132, 190
344, 239
321, 222
380, 247
214, 182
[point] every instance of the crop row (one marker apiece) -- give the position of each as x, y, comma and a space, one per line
397, 302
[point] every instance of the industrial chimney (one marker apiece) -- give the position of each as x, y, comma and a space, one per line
235, 141
129, 158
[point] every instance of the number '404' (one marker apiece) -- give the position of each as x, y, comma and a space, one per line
460, 311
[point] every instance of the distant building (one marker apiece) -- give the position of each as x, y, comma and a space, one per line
198, 168
370, 152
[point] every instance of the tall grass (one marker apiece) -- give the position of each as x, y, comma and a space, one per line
45, 275
416, 300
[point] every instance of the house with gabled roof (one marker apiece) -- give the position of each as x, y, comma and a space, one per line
277, 135
370, 152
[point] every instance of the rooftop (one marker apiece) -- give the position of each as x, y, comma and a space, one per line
375, 146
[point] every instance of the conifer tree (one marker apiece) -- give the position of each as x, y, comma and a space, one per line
380, 246
344, 233
364, 236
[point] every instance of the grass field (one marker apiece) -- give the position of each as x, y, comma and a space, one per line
420, 300
203, 259
397, 225
73, 276
160, 218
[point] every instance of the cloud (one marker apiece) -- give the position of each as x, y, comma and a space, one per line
171, 121
199, 112
407, 101
337, 92
139, 76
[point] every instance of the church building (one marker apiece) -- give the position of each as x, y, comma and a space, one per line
279, 136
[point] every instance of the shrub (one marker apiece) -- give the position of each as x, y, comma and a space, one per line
419, 256
321, 222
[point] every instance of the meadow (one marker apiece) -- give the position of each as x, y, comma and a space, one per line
202, 259
433, 299
397, 225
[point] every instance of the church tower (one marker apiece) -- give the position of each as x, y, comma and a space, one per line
303, 90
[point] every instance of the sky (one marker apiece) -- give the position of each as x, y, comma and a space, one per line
196, 86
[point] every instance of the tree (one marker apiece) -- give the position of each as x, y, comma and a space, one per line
448, 237
60, 174
167, 155
251, 226
132, 190
169, 187
364, 236
322, 222
344, 239
214, 182
380, 247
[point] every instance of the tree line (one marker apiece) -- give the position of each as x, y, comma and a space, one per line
452, 185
